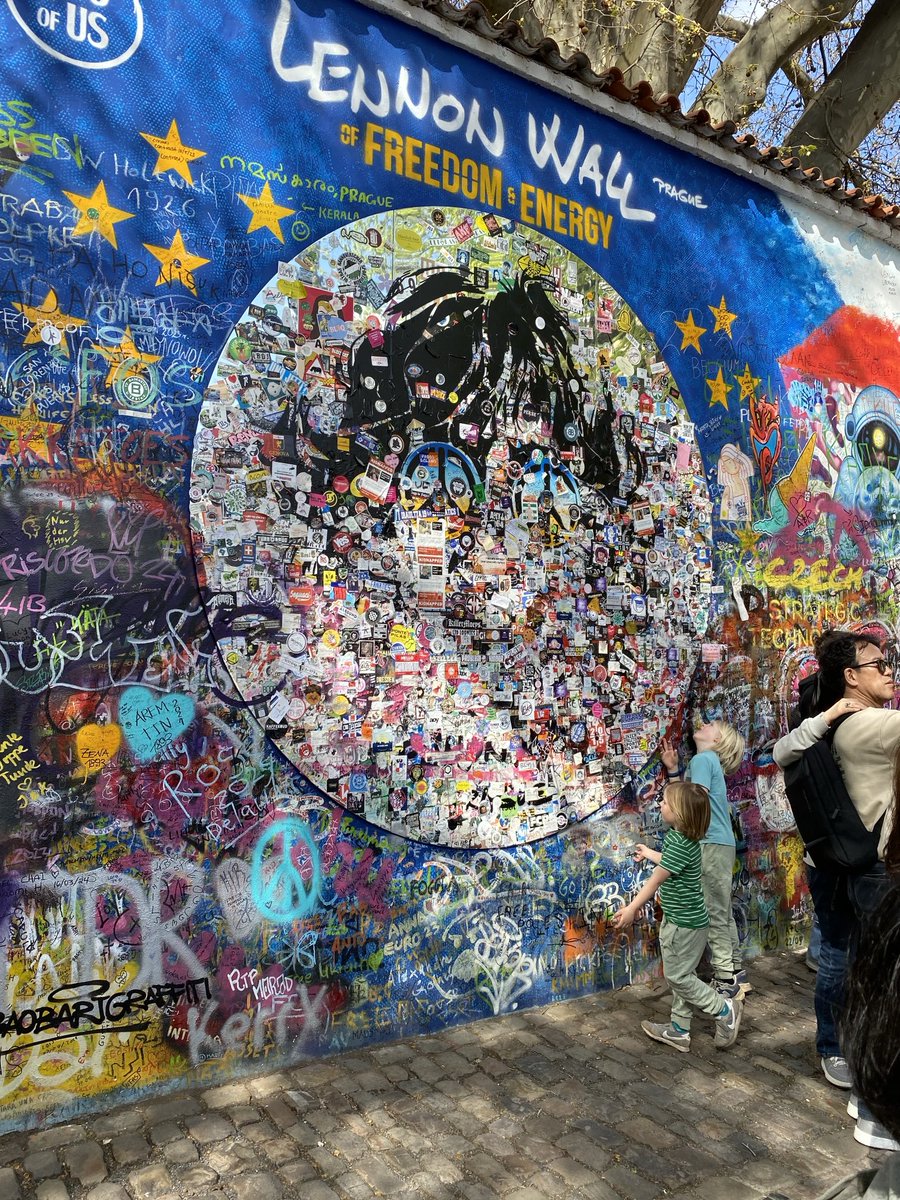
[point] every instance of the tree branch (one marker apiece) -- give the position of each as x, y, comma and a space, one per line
856, 96
664, 41
502, 11
738, 87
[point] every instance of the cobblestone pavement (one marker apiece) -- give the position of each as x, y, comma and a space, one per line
569, 1101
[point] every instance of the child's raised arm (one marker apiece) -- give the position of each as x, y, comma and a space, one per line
625, 916
668, 756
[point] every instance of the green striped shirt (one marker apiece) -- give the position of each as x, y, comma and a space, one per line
681, 896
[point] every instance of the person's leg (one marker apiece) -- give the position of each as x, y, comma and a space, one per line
836, 925
676, 1032
682, 951
718, 872
815, 945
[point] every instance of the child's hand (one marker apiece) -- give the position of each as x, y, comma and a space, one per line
641, 853
668, 755
624, 917
841, 709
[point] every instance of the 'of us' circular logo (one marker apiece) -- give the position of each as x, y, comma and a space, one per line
96, 35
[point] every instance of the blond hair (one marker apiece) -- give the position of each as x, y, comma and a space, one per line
730, 746
689, 803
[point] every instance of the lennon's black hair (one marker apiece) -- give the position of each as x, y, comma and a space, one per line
870, 1027
509, 352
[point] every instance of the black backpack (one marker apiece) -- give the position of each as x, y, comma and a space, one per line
826, 817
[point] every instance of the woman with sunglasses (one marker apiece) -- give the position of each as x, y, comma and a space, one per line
850, 690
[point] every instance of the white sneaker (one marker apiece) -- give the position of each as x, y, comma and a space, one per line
729, 1023
668, 1035
873, 1134
836, 1071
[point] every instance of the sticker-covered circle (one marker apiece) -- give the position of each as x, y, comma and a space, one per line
507, 448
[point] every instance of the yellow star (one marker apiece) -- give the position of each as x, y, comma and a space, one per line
97, 214
172, 153
49, 323
724, 318
178, 264
266, 213
719, 389
747, 382
690, 332
27, 432
125, 359
747, 537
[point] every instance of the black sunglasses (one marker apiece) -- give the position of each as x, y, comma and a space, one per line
884, 667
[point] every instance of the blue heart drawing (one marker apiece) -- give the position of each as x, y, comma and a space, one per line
151, 722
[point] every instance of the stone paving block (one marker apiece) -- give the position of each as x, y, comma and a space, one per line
150, 1183
243, 1114
51, 1189
262, 1131
173, 1109
318, 1190
473, 1191
42, 1164
634, 1187
9, 1184
107, 1191
353, 1186
241, 1158
165, 1131
85, 1162
734, 1189
130, 1148
209, 1128
298, 1172
59, 1135
261, 1186
378, 1175
268, 1085
197, 1178
181, 1152
227, 1095
599, 1191
280, 1112
121, 1120
574, 1173
278, 1152
302, 1135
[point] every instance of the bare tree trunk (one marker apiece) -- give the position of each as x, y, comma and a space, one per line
664, 40
502, 11
739, 86
855, 96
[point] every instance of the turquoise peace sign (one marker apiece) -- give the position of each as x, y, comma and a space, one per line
286, 876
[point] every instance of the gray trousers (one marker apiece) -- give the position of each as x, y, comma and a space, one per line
724, 944
682, 950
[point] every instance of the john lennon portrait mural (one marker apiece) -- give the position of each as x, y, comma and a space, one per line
438, 486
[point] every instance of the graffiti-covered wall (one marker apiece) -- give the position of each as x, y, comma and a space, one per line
392, 451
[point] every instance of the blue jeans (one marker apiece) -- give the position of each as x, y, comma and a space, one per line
815, 939
843, 904
836, 927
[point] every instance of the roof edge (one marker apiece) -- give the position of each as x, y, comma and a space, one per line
659, 117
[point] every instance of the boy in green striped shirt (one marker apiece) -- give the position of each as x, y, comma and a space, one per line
685, 925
